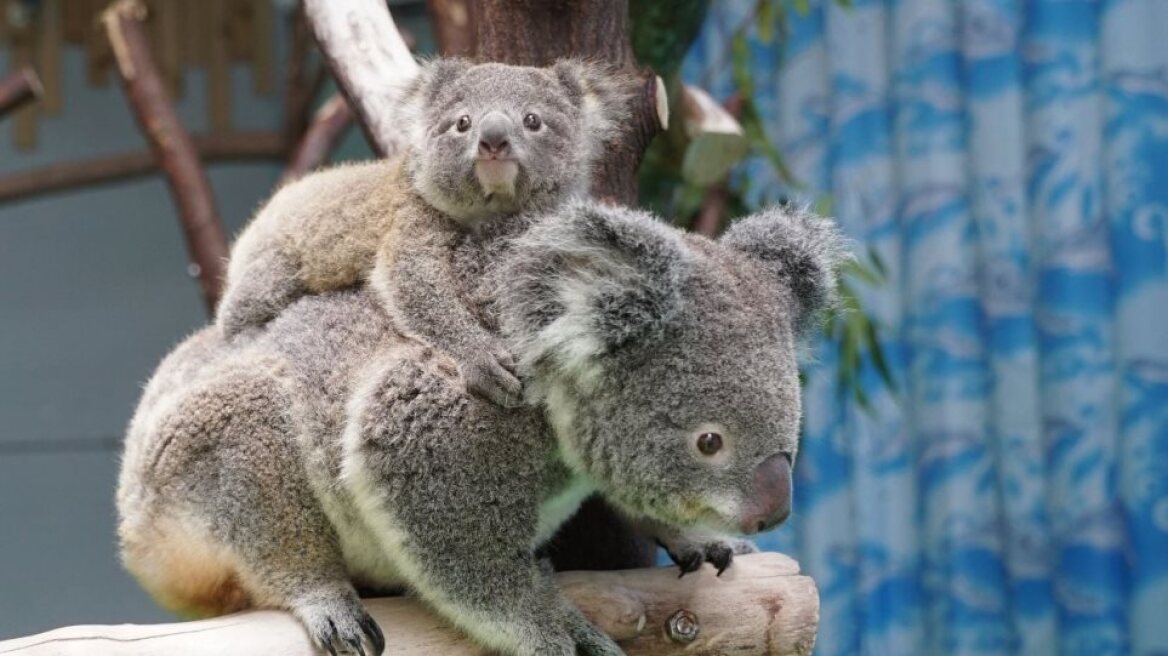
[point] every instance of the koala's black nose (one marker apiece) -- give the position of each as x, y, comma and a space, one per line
494, 132
770, 501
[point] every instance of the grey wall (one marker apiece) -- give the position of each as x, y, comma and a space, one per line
93, 292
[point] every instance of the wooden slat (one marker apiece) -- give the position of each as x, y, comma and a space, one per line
99, 57
218, 69
195, 29
263, 67
22, 53
76, 21
168, 50
49, 46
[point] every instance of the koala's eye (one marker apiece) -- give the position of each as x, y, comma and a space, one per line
709, 443
532, 122
463, 123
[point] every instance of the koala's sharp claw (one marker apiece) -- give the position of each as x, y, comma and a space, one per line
373, 632
720, 556
691, 563
356, 645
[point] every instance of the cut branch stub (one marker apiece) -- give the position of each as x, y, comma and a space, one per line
716, 139
17, 89
172, 146
369, 59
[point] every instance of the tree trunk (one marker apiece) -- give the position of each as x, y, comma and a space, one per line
536, 33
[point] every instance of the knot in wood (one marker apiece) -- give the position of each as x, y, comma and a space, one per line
682, 627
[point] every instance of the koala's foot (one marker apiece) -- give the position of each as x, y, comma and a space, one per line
491, 375
268, 286
338, 624
689, 552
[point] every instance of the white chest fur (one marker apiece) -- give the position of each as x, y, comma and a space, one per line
557, 509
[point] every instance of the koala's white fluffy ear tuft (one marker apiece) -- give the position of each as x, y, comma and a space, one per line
587, 280
421, 91
802, 250
603, 95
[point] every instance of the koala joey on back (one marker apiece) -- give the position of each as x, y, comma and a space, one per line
485, 143
280, 468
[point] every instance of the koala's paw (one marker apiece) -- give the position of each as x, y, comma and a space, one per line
340, 625
238, 312
689, 554
491, 375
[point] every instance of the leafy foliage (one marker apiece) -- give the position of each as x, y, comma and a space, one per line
662, 43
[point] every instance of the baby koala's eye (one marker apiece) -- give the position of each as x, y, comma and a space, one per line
532, 122
709, 443
463, 123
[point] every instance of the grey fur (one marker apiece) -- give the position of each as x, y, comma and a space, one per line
800, 247
395, 223
281, 467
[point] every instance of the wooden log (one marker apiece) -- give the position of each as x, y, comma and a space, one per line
239, 146
172, 146
329, 126
17, 89
761, 605
369, 59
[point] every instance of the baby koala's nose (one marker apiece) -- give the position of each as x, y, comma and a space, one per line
494, 130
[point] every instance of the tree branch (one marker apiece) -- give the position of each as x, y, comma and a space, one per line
19, 88
172, 146
328, 127
761, 605
123, 166
369, 59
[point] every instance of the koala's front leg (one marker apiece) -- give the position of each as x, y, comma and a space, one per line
451, 486
688, 549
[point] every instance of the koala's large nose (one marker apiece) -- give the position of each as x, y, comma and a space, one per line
494, 131
770, 500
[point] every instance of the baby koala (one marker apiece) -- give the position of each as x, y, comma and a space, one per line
486, 142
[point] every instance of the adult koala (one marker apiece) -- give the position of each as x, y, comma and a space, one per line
327, 450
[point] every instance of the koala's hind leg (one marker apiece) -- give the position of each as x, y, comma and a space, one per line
451, 484
230, 505
268, 283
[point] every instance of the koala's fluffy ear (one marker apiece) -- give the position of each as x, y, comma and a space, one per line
420, 91
586, 281
802, 250
602, 94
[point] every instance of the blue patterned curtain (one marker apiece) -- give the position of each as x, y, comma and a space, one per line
1008, 161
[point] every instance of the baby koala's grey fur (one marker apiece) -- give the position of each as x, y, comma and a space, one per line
395, 222
282, 467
